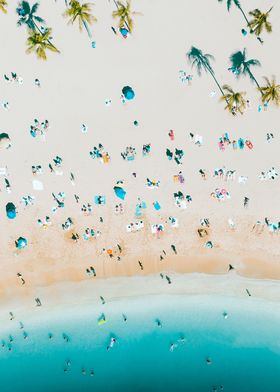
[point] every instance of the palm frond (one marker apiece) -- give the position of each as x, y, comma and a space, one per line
26, 7
3, 5
39, 19
34, 8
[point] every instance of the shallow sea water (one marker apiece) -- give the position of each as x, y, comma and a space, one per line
244, 347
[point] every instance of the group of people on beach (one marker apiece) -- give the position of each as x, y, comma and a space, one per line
181, 199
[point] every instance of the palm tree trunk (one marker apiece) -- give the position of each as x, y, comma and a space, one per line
218, 84
49, 42
254, 79
244, 15
216, 81
116, 4
87, 29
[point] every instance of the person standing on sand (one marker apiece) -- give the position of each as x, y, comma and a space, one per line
119, 247
141, 265
246, 202
77, 198
19, 275
37, 82
173, 247
171, 134
102, 300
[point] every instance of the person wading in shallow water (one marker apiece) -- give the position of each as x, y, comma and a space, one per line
38, 302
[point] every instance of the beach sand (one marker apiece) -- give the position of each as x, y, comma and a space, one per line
74, 88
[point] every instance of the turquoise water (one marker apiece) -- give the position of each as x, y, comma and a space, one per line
244, 347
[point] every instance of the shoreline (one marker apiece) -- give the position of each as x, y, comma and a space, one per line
211, 263
63, 295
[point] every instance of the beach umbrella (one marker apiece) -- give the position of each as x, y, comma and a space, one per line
128, 93
21, 243
120, 192
124, 32
11, 211
5, 141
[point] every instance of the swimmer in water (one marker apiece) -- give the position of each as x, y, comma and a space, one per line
209, 361
65, 337
124, 317
225, 315
158, 322
113, 341
172, 347
50, 335
68, 362
25, 335
91, 373
84, 371
181, 339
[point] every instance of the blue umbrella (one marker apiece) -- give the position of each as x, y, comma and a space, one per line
128, 93
120, 192
124, 32
21, 243
11, 211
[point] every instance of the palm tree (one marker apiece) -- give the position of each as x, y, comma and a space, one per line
241, 66
124, 14
235, 100
3, 5
260, 21
81, 12
271, 92
65, 1
202, 61
39, 43
237, 3
28, 16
